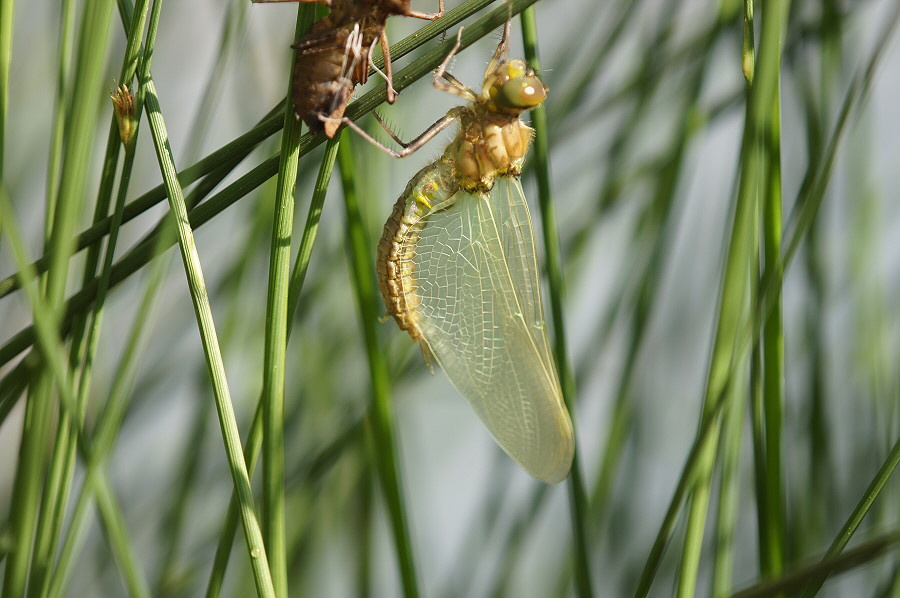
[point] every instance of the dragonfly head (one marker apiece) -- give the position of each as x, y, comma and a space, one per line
513, 88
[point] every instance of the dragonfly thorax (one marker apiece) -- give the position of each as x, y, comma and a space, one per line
492, 140
489, 145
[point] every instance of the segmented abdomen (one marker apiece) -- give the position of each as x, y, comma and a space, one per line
431, 189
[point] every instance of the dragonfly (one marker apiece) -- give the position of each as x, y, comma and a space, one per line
336, 54
458, 270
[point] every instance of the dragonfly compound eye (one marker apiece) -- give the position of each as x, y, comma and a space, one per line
521, 93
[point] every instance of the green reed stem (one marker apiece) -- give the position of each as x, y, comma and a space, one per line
24, 513
379, 418
890, 465
556, 283
273, 507
197, 287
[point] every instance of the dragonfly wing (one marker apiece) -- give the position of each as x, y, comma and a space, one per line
516, 234
479, 311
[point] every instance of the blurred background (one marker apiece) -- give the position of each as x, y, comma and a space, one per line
646, 115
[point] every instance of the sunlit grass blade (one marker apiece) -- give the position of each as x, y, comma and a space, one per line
6, 42
707, 435
767, 384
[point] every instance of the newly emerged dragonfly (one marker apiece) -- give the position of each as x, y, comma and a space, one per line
336, 55
458, 270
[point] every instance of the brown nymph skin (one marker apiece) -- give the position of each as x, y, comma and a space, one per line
334, 57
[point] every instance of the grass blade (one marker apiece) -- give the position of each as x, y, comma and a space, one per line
379, 418
577, 496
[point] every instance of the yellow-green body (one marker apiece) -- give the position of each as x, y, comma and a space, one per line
458, 271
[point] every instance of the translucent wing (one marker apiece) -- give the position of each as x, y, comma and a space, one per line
479, 311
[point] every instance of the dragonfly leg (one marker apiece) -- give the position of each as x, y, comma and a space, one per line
390, 131
387, 75
352, 56
453, 81
408, 148
352, 52
453, 86
501, 54
428, 16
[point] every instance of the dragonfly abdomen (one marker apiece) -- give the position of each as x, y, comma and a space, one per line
430, 190
395, 273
